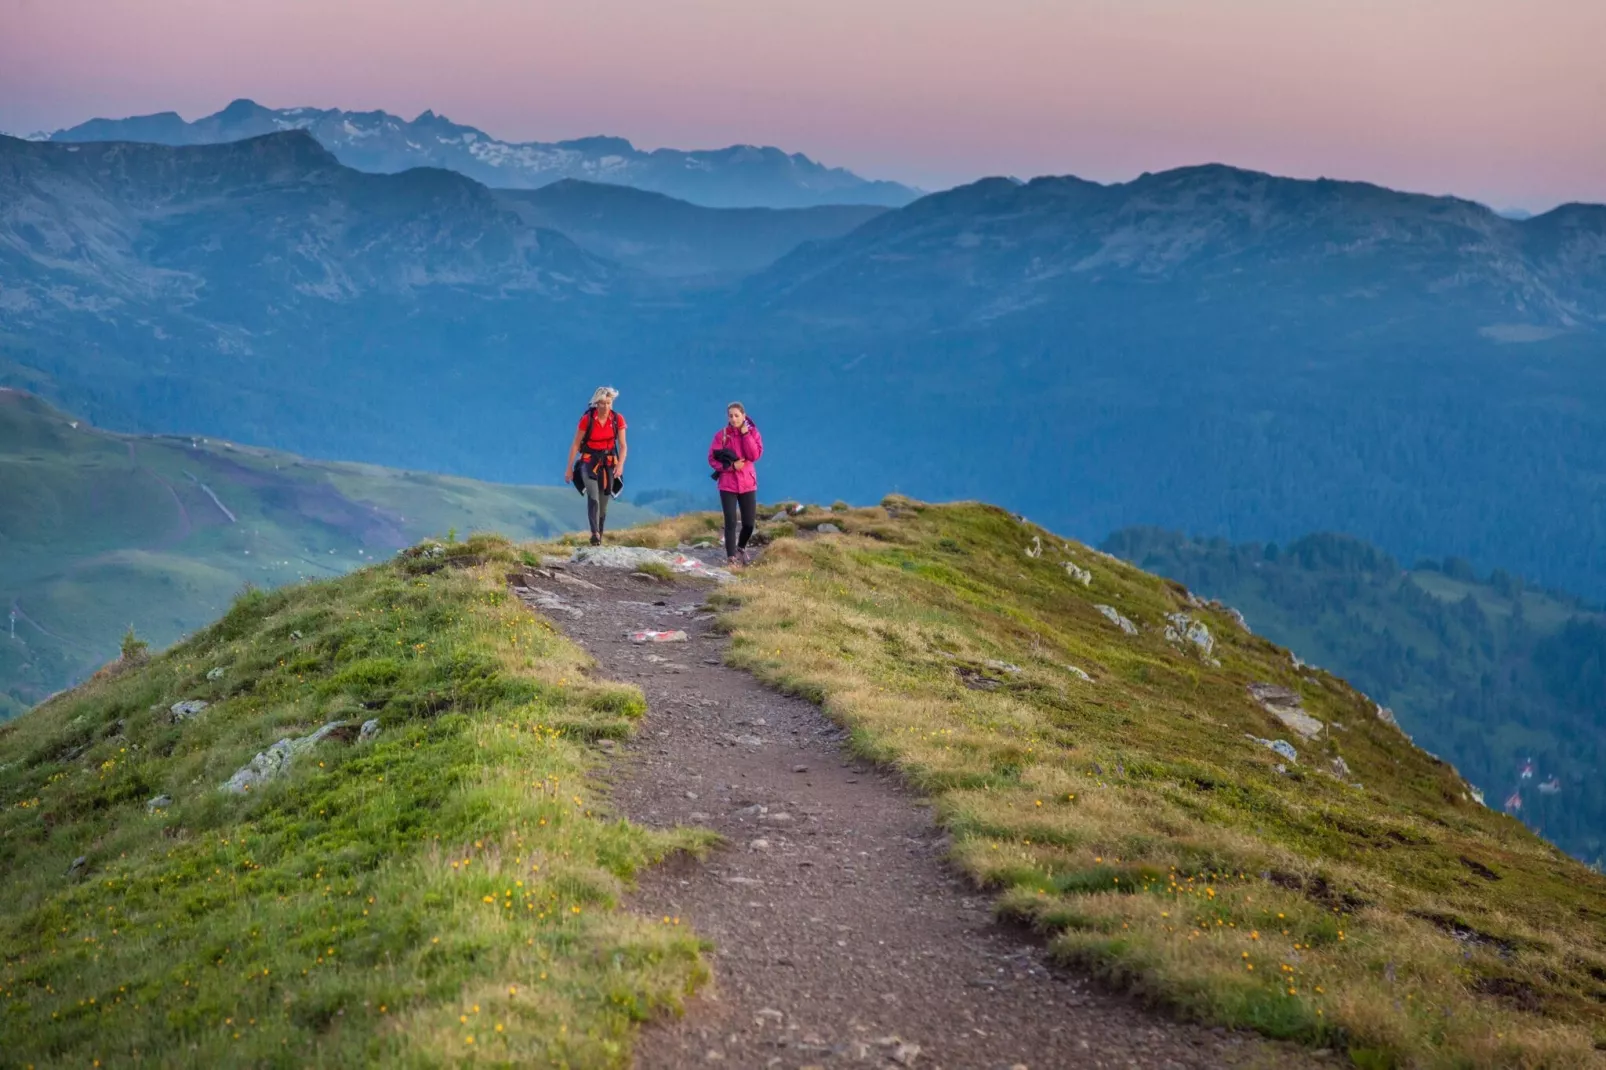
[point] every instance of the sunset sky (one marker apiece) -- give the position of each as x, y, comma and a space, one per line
1500, 100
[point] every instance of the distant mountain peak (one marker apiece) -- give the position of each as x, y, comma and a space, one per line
734, 176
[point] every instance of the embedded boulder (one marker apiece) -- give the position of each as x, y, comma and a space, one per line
632, 558
1286, 705
277, 759
180, 712
1281, 746
1115, 617
1181, 628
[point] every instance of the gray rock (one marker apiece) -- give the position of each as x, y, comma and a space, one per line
1341, 768
183, 711
215, 674
276, 760
1036, 548
370, 729
1281, 746
160, 802
78, 866
1002, 666
1181, 628
631, 558
828, 529
1079, 574
1386, 715
552, 603
1285, 705
1116, 618
1078, 673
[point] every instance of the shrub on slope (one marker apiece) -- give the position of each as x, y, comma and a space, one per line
441, 890
1356, 895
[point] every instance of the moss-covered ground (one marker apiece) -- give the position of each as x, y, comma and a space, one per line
1372, 907
443, 894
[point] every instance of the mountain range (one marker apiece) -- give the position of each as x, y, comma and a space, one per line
1208, 348
737, 176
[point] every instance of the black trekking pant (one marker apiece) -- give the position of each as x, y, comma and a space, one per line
747, 505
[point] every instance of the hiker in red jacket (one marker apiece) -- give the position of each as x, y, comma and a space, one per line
735, 449
596, 463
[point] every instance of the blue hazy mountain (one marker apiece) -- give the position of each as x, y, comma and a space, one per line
659, 235
737, 176
1208, 348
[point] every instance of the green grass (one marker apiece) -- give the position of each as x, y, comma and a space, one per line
1383, 913
445, 893
100, 531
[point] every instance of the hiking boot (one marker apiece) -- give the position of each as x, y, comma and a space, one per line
734, 564
741, 555
596, 540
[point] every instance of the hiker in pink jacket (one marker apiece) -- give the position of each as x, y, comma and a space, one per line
736, 447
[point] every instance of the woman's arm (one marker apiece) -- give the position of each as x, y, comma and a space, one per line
623, 449
757, 444
574, 451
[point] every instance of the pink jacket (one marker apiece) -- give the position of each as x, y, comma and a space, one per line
749, 446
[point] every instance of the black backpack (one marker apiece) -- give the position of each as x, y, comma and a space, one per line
577, 474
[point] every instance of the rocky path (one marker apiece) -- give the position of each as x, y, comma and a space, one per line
840, 936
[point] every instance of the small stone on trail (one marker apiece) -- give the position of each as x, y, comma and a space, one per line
652, 636
691, 795
800, 769
828, 529
760, 845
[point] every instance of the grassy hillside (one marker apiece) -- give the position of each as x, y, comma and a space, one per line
1498, 677
439, 892
1120, 793
100, 531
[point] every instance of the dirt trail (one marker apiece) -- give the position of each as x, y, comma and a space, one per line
841, 938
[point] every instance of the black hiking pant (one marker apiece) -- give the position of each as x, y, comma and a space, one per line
597, 500
744, 505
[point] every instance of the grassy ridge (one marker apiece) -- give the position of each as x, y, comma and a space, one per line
1487, 672
100, 531
440, 893
1371, 906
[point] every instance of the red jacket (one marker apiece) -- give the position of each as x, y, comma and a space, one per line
749, 446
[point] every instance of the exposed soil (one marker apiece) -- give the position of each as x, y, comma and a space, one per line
841, 936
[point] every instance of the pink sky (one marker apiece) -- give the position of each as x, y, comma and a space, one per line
1500, 100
